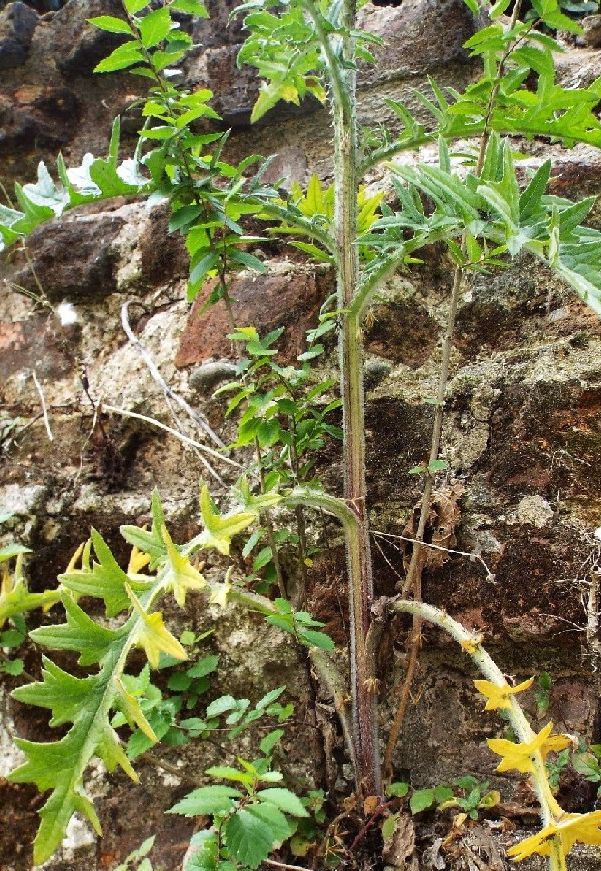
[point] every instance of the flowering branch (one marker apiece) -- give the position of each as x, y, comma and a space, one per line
561, 830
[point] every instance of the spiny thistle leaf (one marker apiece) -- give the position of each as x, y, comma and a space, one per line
59, 691
15, 597
220, 529
80, 633
87, 702
105, 579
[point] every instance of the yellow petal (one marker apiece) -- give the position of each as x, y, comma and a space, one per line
570, 829
74, 559
520, 756
498, 696
539, 843
153, 635
182, 574
155, 638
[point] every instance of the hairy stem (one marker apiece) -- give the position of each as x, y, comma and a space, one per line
413, 580
299, 515
275, 554
470, 643
360, 579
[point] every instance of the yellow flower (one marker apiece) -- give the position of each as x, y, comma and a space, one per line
497, 697
570, 828
519, 756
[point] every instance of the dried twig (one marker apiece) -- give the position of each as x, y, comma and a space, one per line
194, 415
473, 557
38, 387
183, 438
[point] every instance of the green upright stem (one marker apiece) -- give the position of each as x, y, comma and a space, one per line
360, 580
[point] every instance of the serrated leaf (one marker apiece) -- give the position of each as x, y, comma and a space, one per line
283, 799
181, 576
155, 26
59, 691
153, 636
249, 837
398, 789
220, 706
105, 579
80, 633
270, 740
421, 799
111, 24
316, 639
121, 58
214, 799
203, 667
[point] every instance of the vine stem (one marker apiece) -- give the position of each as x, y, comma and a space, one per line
470, 643
275, 554
413, 580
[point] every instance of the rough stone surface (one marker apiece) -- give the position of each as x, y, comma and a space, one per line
290, 297
17, 23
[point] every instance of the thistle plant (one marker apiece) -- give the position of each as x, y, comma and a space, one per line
474, 204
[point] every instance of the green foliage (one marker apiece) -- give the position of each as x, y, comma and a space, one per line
467, 793
138, 859
172, 714
249, 819
542, 694
476, 204
300, 624
584, 759
86, 702
284, 48
498, 218
285, 413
